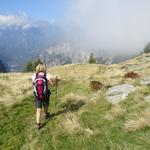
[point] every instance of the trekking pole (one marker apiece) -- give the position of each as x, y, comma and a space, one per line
56, 91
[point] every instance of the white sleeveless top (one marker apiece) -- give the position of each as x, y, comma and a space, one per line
48, 76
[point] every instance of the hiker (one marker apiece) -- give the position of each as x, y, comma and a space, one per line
41, 79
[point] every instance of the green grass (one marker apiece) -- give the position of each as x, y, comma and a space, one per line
13, 124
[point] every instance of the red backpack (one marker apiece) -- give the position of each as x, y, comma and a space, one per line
40, 86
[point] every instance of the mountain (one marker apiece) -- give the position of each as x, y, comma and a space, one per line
54, 59
62, 53
26, 42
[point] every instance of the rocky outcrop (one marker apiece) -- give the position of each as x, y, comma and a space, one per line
145, 81
119, 93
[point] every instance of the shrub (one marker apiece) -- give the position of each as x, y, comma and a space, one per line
30, 66
96, 85
131, 75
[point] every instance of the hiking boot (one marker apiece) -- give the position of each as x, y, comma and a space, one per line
38, 125
47, 115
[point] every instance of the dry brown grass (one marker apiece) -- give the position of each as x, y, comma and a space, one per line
141, 121
75, 71
116, 112
71, 125
74, 97
146, 112
16, 86
107, 74
72, 101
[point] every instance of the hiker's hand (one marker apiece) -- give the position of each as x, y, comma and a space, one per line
55, 80
51, 82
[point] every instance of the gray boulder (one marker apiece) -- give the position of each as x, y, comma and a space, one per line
119, 93
145, 81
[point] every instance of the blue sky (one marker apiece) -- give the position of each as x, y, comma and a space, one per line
38, 9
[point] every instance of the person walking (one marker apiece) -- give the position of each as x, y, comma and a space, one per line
41, 79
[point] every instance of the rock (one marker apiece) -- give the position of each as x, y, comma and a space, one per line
129, 67
146, 58
119, 93
145, 81
147, 98
136, 67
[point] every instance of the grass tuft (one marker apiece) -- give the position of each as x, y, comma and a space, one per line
138, 124
72, 102
116, 112
71, 123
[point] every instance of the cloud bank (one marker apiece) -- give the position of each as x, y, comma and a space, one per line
23, 21
116, 26
13, 20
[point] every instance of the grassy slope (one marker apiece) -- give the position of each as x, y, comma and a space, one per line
83, 119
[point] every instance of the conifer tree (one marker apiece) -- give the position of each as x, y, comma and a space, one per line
29, 67
92, 60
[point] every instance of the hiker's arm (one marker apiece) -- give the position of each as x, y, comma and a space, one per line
56, 80
51, 82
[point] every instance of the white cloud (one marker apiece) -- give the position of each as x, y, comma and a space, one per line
13, 20
114, 25
23, 21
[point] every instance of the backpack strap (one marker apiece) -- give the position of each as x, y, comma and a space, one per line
40, 76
